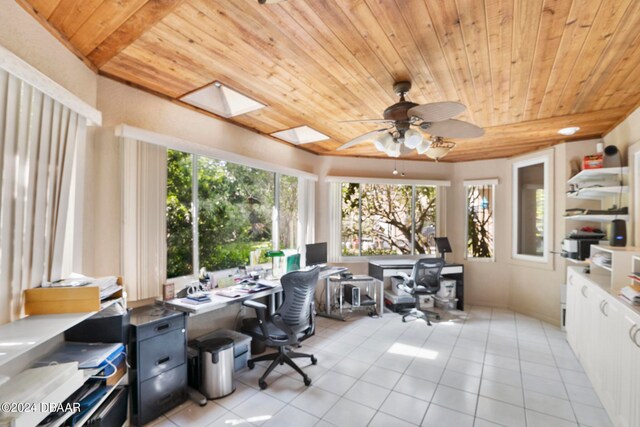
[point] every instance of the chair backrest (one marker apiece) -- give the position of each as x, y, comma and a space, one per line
299, 291
426, 273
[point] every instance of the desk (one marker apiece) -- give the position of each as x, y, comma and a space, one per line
384, 269
218, 301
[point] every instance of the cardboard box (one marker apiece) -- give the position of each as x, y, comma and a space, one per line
61, 300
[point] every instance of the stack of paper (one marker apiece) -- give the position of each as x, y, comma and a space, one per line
632, 293
108, 285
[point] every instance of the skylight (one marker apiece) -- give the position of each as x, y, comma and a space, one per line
221, 100
300, 135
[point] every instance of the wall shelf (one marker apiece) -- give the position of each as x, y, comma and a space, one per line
615, 276
597, 174
596, 218
598, 193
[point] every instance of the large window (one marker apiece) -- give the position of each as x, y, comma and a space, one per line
531, 209
388, 219
480, 222
219, 212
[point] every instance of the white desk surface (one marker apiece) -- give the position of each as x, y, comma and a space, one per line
219, 301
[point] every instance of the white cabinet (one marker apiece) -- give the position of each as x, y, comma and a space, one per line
604, 332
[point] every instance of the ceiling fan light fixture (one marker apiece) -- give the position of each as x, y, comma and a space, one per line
394, 150
383, 142
439, 148
412, 138
423, 146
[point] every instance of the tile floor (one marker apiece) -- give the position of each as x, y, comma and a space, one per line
494, 368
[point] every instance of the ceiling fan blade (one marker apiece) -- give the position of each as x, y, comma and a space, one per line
362, 138
453, 128
437, 111
367, 121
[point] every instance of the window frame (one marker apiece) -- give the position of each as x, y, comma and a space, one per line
545, 160
475, 183
439, 223
195, 208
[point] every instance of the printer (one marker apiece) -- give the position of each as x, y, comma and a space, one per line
577, 245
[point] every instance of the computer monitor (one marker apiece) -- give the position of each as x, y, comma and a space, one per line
316, 253
443, 246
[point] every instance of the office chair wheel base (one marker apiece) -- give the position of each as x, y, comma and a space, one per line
307, 381
437, 317
314, 361
251, 364
404, 320
263, 384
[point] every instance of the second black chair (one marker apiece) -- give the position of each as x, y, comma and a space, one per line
293, 322
424, 280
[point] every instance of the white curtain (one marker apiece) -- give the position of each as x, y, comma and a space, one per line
144, 238
335, 217
38, 139
306, 214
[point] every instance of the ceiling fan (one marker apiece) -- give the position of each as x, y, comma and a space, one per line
403, 117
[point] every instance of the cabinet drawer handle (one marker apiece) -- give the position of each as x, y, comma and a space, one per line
162, 327
163, 360
603, 304
635, 340
571, 280
631, 330
583, 291
165, 400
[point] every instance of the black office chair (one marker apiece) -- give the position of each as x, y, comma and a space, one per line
293, 322
424, 280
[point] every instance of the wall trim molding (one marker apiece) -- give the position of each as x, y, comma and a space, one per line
16, 66
127, 131
364, 180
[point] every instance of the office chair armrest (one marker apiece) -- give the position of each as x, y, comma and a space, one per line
255, 305
261, 310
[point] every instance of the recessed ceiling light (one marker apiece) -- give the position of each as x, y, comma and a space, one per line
569, 131
300, 135
221, 100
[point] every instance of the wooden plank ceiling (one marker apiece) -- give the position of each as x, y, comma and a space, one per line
524, 68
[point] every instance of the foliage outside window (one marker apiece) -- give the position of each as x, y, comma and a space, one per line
288, 211
388, 219
480, 221
227, 215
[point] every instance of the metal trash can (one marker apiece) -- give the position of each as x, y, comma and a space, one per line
216, 367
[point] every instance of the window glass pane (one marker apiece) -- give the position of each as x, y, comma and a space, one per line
530, 210
386, 219
235, 213
350, 219
425, 216
288, 211
179, 214
480, 225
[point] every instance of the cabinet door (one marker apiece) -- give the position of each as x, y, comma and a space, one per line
572, 309
628, 411
605, 357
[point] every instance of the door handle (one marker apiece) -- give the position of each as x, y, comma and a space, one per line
603, 304
583, 291
571, 280
631, 332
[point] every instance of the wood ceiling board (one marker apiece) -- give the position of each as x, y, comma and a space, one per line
552, 26
378, 23
69, 15
473, 24
149, 14
44, 7
526, 25
604, 26
577, 27
320, 62
106, 19
500, 35
446, 24
617, 54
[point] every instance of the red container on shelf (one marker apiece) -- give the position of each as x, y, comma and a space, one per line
592, 161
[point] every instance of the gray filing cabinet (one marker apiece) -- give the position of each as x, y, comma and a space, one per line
157, 356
